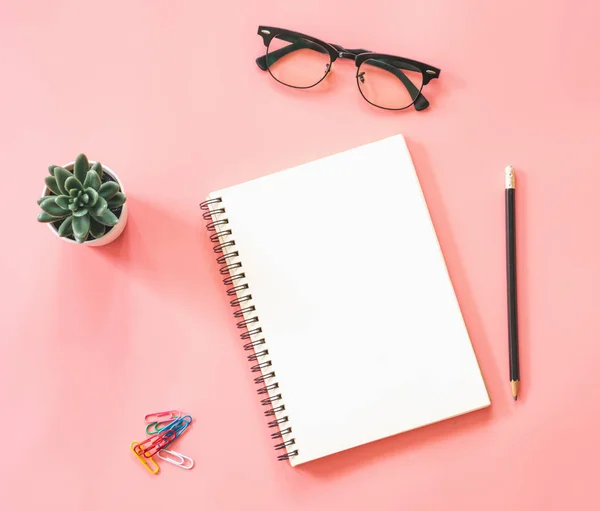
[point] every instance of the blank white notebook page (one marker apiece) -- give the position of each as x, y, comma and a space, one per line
352, 293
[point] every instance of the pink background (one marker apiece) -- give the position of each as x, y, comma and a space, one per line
168, 95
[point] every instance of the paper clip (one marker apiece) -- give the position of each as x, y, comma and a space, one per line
176, 459
155, 443
162, 416
156, 427
179, 425
145, 461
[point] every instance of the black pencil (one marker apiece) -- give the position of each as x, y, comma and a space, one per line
511, 282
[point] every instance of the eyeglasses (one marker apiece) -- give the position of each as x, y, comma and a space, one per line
385, 81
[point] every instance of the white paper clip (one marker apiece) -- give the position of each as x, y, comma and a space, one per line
176, 459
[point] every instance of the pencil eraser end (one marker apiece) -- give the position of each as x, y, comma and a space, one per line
509, 178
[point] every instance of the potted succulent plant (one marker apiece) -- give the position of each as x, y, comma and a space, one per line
83, 202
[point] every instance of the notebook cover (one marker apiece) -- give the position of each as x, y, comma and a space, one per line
353, 306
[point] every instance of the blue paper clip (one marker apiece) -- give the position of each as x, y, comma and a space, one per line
157, 429
178, 426
186, 424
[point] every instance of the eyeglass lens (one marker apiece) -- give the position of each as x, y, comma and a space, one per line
296, 61
389, 86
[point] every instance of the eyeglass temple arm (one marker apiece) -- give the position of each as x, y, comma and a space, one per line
420, 102
297, 44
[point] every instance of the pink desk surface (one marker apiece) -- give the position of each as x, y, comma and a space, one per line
168, 95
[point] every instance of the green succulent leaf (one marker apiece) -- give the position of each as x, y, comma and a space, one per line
73, 184
117, 201
93, 195
73, 206
63, 201
97, 230
108, 189
73, 192
51, 169
52, 208
45, 217
81, 227
81, 167
52, 184
81, 212
100, 207
98, 168
66, 228
108, 218
61, 176
92, 180
42, 199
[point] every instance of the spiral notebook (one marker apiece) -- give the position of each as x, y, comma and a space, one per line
343, 301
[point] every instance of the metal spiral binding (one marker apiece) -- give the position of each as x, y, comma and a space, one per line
249, 322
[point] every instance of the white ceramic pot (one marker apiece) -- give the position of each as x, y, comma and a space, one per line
111, 235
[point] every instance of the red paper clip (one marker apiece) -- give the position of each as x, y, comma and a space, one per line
155, 443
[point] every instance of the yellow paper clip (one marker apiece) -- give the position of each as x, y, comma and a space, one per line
145, 461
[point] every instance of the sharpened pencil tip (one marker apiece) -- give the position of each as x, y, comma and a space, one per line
514, 387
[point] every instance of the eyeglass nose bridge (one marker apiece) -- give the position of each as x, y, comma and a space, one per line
346, 53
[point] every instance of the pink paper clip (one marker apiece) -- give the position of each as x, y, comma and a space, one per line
162, 416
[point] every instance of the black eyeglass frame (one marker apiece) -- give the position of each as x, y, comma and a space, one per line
359, 56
